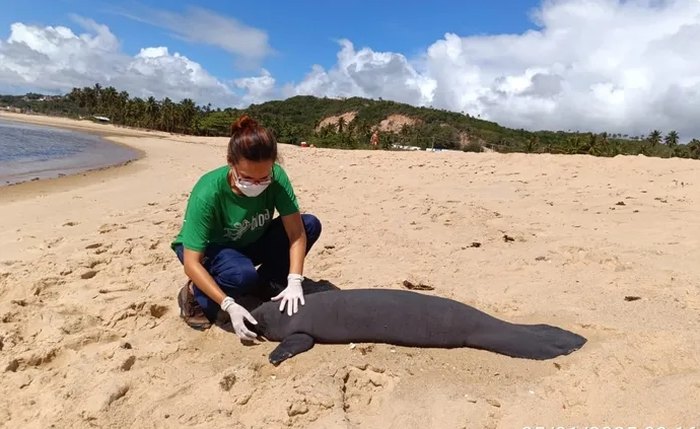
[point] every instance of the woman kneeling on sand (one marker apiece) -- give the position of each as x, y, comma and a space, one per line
228, 230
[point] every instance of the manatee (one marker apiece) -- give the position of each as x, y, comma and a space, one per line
403, 318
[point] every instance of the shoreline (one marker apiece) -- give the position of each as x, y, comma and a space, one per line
82, 125
107, 132
34, 187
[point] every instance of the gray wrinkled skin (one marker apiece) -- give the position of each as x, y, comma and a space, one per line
404, 318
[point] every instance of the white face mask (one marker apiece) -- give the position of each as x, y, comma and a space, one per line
251, 189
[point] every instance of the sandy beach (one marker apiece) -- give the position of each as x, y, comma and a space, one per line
606, 247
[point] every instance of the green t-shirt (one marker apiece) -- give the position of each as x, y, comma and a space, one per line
217, 215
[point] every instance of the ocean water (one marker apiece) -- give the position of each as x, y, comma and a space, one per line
30, 152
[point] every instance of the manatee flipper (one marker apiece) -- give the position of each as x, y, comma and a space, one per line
291, 346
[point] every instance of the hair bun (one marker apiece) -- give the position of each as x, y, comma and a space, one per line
243, 123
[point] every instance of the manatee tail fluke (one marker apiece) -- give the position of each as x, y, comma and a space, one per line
537, 342
555, 341
291, 346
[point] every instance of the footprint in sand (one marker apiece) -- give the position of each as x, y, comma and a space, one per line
362, 386
90, 334
75, 321
109, 227
43, 284
52, 243
87, 275
128, 363
91, 271
95, 262
140, 311
4, 275
311, 404
99, 248
10, 339
103, 398
154, 244
157, 310
10, 317
36, 359
227, 381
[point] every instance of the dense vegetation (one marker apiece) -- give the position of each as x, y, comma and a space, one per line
298, 118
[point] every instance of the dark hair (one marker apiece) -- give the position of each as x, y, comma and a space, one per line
251, 141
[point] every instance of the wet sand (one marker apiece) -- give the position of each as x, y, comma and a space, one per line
93, 151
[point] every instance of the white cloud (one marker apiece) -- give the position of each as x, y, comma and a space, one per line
602, 65
369, 74
257, 89
162, 74
200, 25
55, 59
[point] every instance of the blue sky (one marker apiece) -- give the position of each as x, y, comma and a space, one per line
620, 66
300, 32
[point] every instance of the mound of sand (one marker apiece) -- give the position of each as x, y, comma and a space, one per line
334, 120
394, 123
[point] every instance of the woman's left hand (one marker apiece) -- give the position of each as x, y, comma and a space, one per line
291, 295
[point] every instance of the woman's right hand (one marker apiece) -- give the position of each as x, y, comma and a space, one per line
201, 277
238, 316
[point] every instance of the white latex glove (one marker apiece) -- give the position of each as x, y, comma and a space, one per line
292, 294
238, 316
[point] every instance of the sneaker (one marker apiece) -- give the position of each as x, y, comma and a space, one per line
190, 311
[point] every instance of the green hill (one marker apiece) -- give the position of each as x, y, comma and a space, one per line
318, 121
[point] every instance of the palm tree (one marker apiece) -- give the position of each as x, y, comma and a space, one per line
90, 99
78, 96
601, 148
120, 109
136, 113
671, 139
532, 144
152, 112
187, 114
108, 102
167, 115
694, 148
654, 138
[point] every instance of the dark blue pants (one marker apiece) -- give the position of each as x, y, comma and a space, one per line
234, 270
